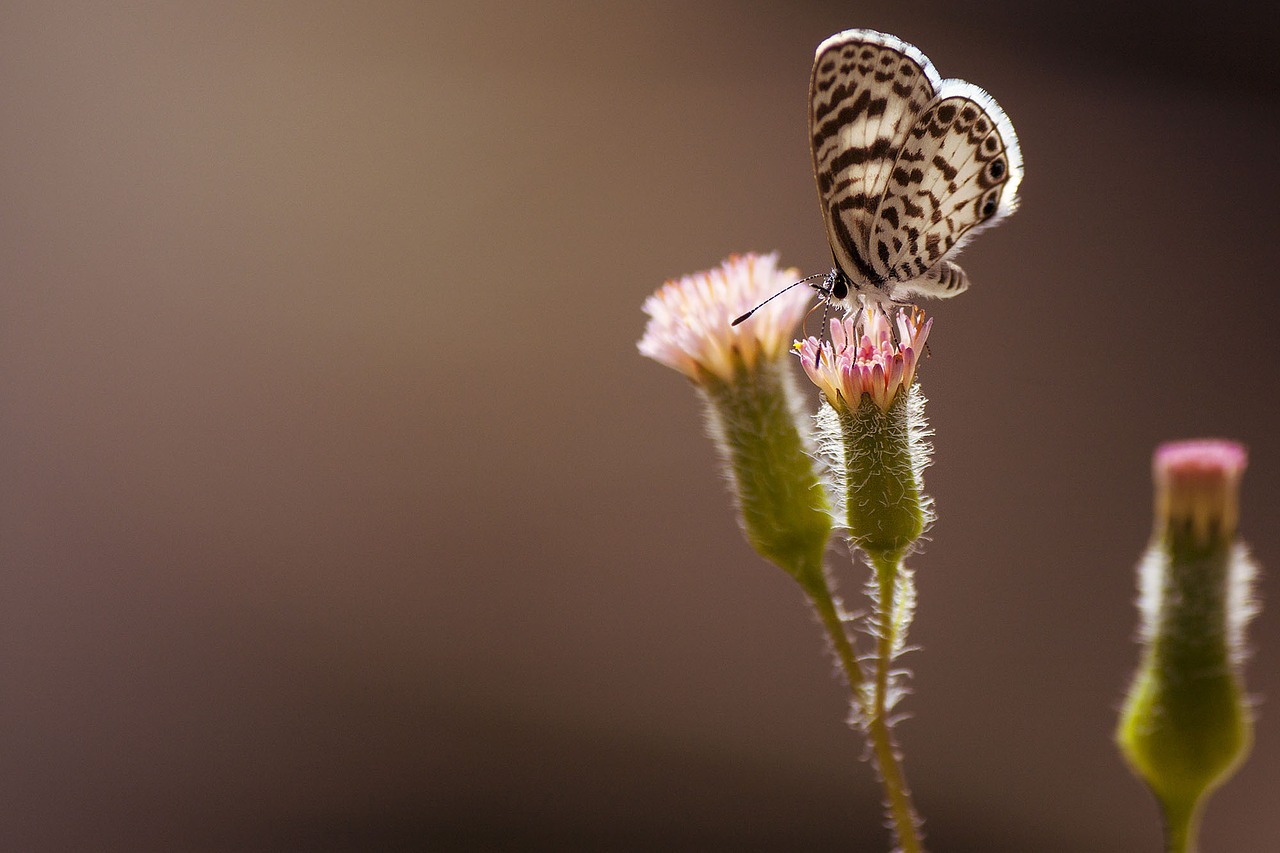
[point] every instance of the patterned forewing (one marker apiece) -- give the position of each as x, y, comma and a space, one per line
948, 180
864, 99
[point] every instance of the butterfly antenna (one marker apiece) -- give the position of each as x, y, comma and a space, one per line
775, 296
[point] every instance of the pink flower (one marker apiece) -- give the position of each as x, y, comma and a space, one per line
689, 318
863, 356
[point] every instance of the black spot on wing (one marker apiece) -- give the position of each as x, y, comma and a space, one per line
948, 171
904, 177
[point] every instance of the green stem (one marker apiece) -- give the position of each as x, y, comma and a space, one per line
824, 604
1181, 825
897, 795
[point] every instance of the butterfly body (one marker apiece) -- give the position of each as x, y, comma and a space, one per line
909, 166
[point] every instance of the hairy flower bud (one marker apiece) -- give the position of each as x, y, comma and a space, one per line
1186, 724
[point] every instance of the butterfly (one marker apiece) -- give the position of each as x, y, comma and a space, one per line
909, 167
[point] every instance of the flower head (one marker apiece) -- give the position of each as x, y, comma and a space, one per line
753, 408
1197, 487
872, 428
689, 318
863, 356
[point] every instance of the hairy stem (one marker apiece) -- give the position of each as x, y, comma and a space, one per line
825, 605
897, 795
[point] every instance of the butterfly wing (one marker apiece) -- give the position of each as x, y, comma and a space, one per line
957, 173
943, 279
868, 91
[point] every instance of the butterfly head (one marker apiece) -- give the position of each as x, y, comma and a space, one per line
848, 292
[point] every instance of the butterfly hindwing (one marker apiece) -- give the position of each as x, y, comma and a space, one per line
956, 174
943, 279
867, 92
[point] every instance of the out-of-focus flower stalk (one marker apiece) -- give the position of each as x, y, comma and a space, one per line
1186, 725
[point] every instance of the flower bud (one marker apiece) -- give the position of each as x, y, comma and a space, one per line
1186, 724
784, 508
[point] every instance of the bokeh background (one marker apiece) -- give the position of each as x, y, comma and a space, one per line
339, 511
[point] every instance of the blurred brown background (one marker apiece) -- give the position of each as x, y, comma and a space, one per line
339, 511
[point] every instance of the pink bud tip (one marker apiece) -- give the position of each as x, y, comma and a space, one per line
1198, 483
1211, 457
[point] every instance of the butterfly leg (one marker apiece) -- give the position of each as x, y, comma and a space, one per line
822, 332
832, 289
